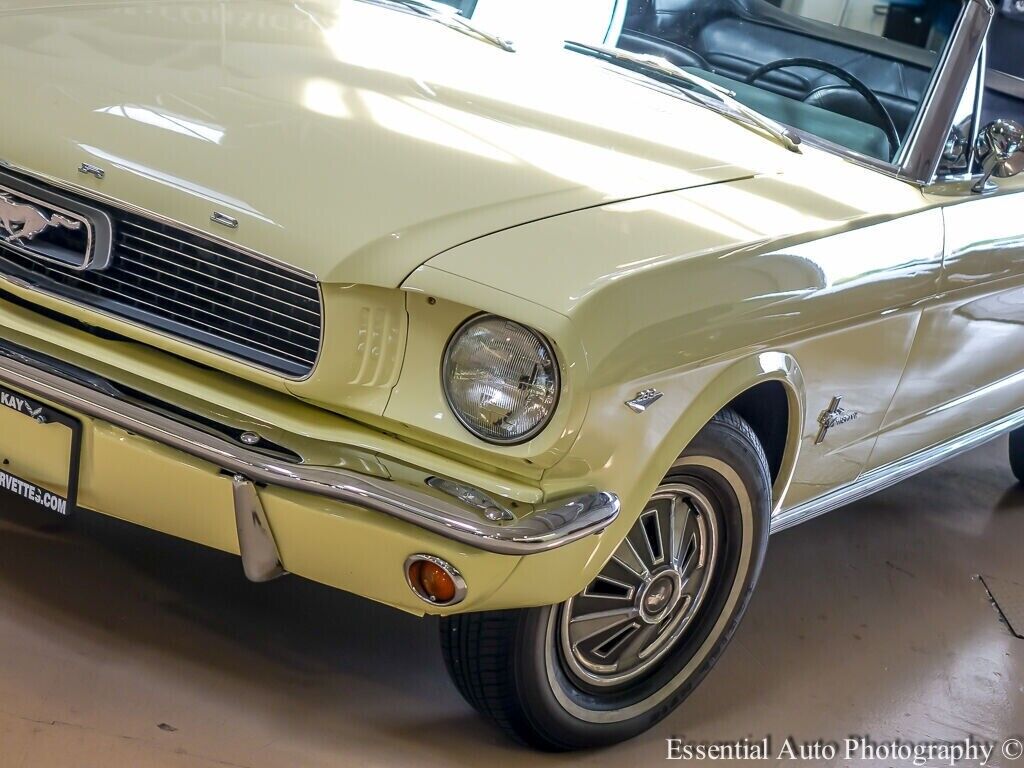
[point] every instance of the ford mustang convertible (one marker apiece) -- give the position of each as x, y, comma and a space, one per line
535, 316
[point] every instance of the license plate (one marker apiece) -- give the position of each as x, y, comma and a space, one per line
21, 458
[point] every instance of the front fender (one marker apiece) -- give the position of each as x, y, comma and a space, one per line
630, 453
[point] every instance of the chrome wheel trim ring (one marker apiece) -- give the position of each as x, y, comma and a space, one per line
641, 604
591, 714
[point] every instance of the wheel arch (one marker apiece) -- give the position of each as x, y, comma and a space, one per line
754, 386
745, 381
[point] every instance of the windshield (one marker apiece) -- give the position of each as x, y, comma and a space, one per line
853, 73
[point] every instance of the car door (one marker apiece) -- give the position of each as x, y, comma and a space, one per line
966, 368
851, 371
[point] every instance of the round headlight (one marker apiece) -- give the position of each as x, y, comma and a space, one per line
501, 379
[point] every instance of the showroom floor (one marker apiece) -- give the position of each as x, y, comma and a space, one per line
119, 647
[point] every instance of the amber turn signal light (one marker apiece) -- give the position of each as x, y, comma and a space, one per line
434, 580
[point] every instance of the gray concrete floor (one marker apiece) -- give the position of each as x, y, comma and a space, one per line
120, 647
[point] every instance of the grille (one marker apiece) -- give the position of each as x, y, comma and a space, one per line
187, 286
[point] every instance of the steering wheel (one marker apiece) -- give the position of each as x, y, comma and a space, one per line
884, 121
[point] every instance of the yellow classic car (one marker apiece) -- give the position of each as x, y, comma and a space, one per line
535, 316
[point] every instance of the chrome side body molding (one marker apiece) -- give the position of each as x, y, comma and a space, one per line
545, 527
883, 477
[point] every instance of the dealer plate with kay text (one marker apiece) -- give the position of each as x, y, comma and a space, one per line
40, 451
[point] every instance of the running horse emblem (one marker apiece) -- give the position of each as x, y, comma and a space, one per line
24, 222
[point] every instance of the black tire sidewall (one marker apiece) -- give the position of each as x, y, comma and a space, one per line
1017, 454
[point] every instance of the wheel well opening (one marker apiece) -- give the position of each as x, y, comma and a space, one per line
765, 408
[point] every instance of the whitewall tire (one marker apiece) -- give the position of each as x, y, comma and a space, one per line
615, 659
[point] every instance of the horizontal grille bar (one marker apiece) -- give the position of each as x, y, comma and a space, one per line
199, 288
174, 281
226, 259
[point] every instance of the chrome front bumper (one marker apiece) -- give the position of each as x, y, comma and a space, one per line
536, 529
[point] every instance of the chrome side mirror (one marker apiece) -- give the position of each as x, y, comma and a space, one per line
1000, 149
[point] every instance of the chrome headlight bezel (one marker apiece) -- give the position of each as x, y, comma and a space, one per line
542, 342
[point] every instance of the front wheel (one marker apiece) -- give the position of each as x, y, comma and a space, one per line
615, 659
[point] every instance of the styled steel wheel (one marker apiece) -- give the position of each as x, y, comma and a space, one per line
611, 661
648, 594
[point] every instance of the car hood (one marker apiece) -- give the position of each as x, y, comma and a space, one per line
349, 140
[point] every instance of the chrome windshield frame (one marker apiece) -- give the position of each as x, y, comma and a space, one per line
919, 158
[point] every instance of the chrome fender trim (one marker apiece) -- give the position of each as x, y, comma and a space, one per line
545, 527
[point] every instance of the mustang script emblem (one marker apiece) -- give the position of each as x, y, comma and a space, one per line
833, 416
23, 221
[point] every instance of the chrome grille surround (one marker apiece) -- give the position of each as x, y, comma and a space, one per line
187, 285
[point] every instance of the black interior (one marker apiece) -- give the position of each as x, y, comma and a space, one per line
734, 38
882, 117
1004, 97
